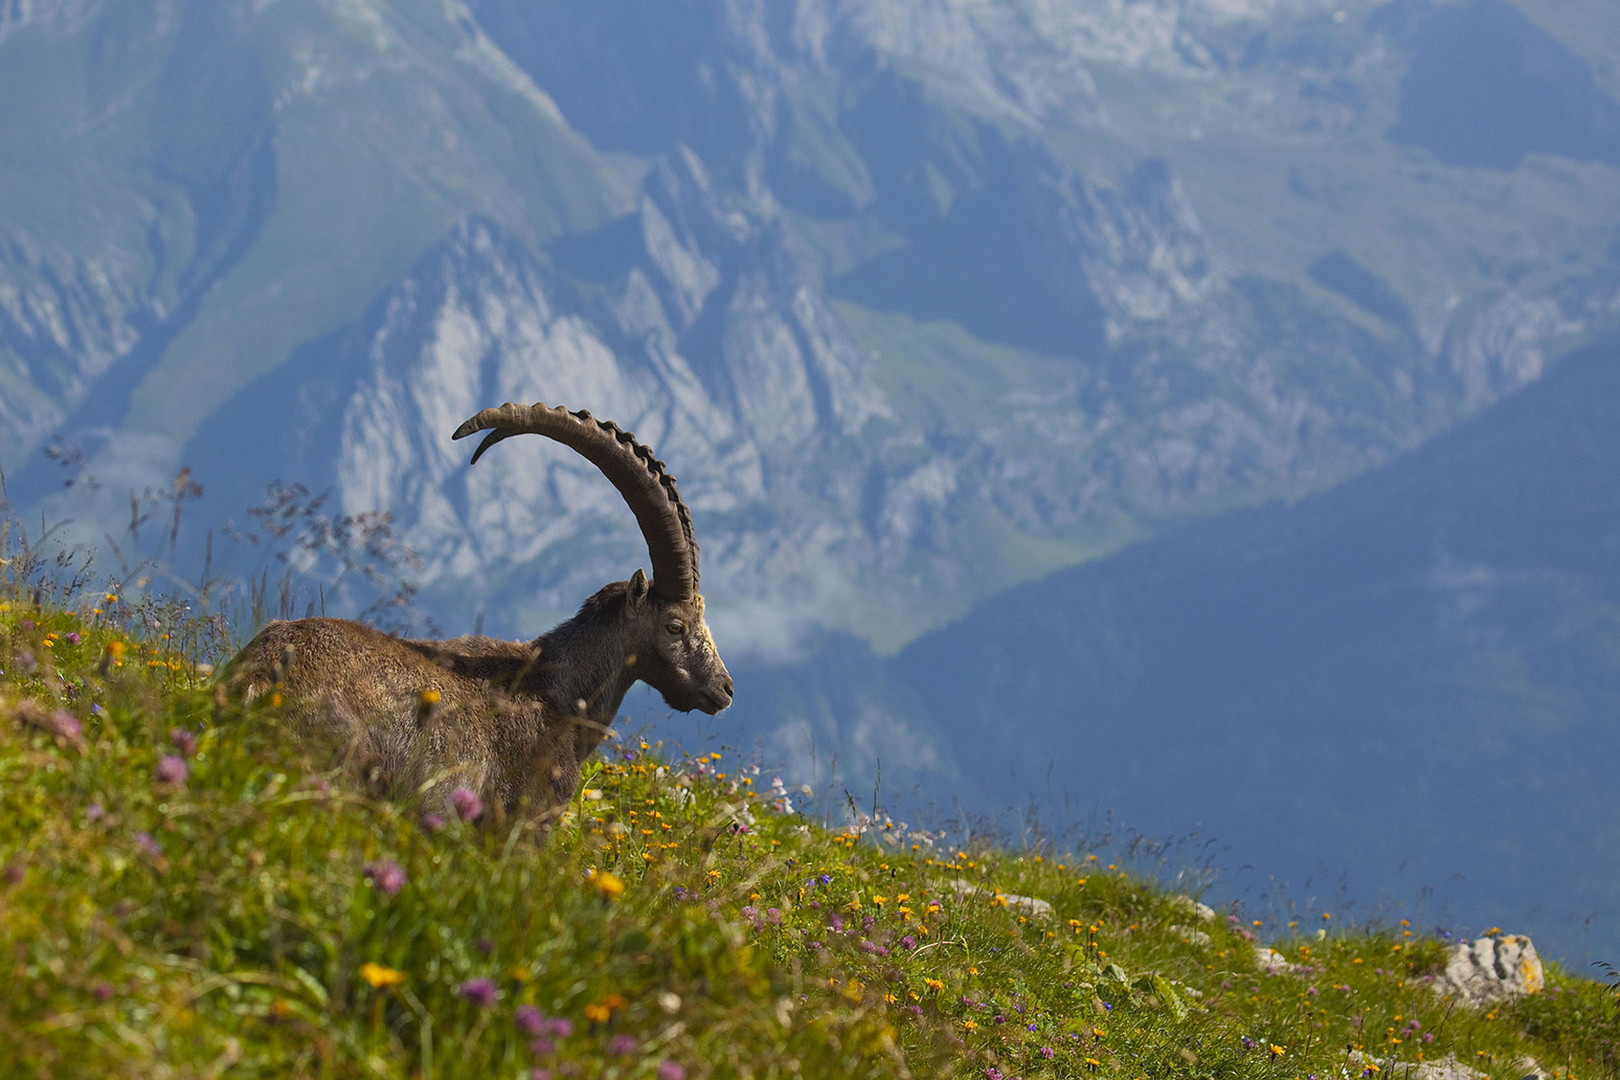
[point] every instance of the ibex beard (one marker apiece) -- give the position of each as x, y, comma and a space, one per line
512, 721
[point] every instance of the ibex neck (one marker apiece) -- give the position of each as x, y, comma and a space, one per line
584, 661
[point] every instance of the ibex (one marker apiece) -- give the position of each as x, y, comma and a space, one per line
510, 720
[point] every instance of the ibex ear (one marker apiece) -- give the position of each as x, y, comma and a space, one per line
638, 589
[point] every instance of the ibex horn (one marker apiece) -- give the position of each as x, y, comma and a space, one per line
641, 478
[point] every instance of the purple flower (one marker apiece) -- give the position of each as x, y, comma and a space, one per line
101, 990
467, 803
25, 625
95, 812
432, 822
145, 842
867, 946
909, 942
542, 1046
751, 913
172, 770
479, 991
71, 637
387, 875
773, 916
184, 740
529, 1019
836, 924
621, 1045
825, 879
539, 1074
671, 1070
562, 1027
1047, 1052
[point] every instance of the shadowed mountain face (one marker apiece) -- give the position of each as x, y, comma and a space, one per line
1410, 681
1487, 86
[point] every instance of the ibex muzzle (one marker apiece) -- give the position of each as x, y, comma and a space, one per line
512, 720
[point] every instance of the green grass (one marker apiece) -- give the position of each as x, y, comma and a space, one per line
236, 921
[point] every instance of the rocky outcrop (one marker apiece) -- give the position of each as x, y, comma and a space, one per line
1491, 970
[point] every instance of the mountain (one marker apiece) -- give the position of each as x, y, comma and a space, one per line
1409, 682
919, 301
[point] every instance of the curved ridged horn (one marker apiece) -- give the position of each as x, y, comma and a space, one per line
646, 485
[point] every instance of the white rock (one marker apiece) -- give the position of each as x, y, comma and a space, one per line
1027, 905
1446, 1068
1493, 969
1189, 906
1188, 934
1271, 961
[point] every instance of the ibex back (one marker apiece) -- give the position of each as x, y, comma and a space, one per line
510, 720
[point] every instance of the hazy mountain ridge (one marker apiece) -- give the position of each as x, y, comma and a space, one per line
1408, 677
918, 300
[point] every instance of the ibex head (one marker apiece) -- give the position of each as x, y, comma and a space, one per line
666, 641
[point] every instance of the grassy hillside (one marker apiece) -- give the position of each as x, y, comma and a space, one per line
183, 895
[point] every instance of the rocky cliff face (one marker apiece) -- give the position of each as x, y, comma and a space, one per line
919, 301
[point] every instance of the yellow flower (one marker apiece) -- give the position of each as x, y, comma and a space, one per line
597, 1013
1277, 1051
430, 697
970, 1025
518, 974
377, 976
610, 885
933, 984
879, 900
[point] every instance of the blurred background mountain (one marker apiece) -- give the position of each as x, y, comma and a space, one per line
1116, 405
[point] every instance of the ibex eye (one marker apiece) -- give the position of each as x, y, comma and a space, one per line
675, 628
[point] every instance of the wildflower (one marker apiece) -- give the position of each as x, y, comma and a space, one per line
432, 822
184, 741
1276, 1051
386, 875
909, 942
479, 991
933, 984
430, 697
467, 803
529, 1019
150, 846
1047, 1052
621, 1045
172, 770
610, 886
101, 990
597, 1013
773, 916
377, 976
540, 1047
95, 812
71, 637
671, 1070
970, 1025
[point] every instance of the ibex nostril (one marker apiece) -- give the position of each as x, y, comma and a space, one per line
385, 696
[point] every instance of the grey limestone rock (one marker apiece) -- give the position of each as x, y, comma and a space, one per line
1494, 969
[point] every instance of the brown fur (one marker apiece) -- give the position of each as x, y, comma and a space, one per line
513, 720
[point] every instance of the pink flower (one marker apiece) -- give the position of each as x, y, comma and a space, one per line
479, 991
621, 1045
172, 770
467, 803
184, 740
529, 1019
671, 1070
387, 875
